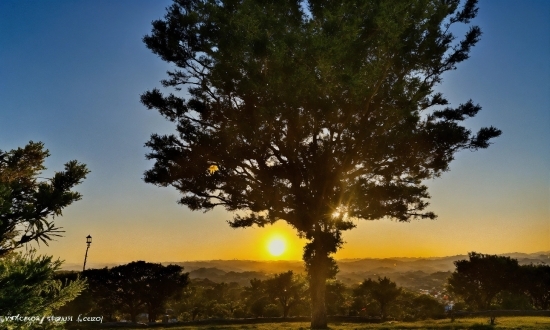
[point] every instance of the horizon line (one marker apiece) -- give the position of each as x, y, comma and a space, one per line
300, 260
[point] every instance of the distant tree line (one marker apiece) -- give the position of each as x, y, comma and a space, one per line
127, 290
483, 282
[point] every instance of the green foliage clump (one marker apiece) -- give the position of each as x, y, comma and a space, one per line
497, 282
382, 294
27, 202
535, 281
28, 287
289, 290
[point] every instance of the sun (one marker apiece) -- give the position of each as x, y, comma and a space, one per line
276, 246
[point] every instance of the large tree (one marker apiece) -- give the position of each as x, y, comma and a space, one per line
312, 112
480, 279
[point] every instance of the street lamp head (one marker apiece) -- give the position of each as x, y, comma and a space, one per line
88, 242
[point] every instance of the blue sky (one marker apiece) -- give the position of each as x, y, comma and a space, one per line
71, 73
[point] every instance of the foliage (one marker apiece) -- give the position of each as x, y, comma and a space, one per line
535, 281
384, 292
28, 286
288, 290
508, 323
27, 201
97, 299
272, 310
203, 299
481, 278
426, 307
255, 298
316, 118
193, 302
143, 285
161, 283
508, 300
405, 307
222, 299
281, 293
338, 298
129, 289
103, 292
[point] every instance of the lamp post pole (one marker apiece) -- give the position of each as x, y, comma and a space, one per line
88, 242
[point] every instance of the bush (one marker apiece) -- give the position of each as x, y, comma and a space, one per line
510, 300
272, 310
428, 307
28, 285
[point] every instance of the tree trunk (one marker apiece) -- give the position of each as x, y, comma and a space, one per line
383, 311
152, 316
285, 311
320, 266
318, 269
133, 316
317, 286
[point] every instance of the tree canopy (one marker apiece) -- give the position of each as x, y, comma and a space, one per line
384, 292
317, 113
535, 281
28, 283
27, 202
142, 285
478, 280
288, 289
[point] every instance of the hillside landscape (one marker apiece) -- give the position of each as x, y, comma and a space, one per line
413, 273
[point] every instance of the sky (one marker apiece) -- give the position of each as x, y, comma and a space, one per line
71, 73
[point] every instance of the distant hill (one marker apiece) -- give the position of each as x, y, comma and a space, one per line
218, 275
417, 273
268, 267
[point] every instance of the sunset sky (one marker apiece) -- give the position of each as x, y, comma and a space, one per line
71, 73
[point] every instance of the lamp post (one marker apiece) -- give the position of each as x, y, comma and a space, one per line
88, 242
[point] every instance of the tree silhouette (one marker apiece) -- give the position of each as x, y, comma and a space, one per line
28, 285
143, 285
191, 303
383, 291
287, 290
27, 201
535, 282
101, 294
255, 297
162, 283
316, 117
479, 279
336, 298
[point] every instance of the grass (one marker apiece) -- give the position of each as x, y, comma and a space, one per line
478, 323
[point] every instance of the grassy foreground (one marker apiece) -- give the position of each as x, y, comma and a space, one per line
528, 322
